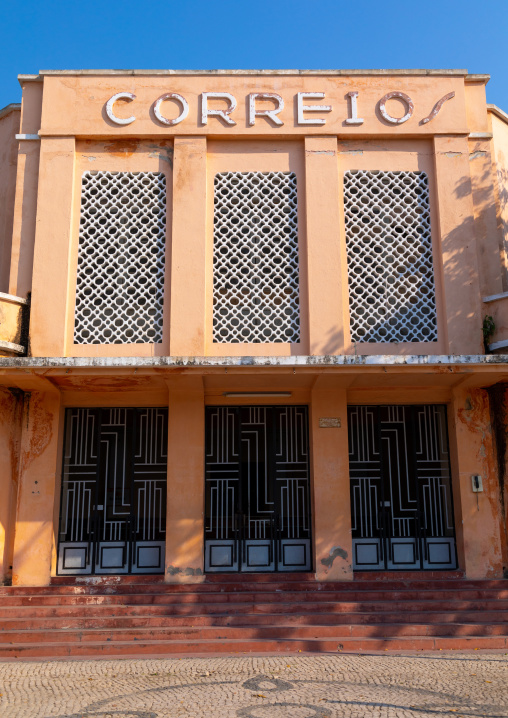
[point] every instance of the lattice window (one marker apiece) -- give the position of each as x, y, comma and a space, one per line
389, 251
120, 282
255, 278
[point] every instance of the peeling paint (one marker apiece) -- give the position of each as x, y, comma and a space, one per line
447, 362
122, 148
334, 553
351, 152
320, 152
396, 96
166, 154
452, 154
475, 416
475, 155
176, 570
160, 156
40, 431
437, 107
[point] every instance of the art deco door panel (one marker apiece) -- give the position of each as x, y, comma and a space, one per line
257, 489
401, 499
113, 507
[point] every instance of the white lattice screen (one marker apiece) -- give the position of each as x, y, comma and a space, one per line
255, 259
389, 251
120, 280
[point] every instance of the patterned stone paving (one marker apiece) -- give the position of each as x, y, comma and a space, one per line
318, 686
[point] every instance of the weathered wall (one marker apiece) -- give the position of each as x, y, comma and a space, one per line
333, 554
9, 126
34, 539
192, 151
498, 397
11, 408
499, 127
13, 319
27, 181
186, 486
478, 517
76, 104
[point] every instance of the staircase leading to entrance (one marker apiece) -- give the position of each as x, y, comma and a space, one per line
265, 613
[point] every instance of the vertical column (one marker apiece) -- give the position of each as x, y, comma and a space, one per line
489, 240
326, 311
53, 237
33, 543
9, 127
186, 481
478, 517
11, 409
188, 248
462, 301
332, 512
27, 177
25, 208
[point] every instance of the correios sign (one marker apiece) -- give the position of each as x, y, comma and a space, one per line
172, 108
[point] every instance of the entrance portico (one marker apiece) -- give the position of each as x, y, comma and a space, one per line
189, 391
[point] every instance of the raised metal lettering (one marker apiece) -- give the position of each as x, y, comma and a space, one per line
109, 108
396, 96
301, 108
271, 114
223, 114
171, 96
354, 119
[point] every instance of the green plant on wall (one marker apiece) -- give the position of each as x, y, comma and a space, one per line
489, 327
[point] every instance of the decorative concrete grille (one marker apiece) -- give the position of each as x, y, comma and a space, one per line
255, 260
120, 282
389, 251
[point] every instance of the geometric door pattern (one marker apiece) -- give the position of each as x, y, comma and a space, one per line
401, 494
113, 501
257, 494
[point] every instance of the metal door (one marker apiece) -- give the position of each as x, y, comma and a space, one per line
113, 504
257, 489
401, 494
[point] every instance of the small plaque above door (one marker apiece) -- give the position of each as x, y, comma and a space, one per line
329, 423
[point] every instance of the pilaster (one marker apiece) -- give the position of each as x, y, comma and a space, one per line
462, 299
188, 248
38, 464
478, 516
326, 307
186, 483
11, 409
53, 245
330, 469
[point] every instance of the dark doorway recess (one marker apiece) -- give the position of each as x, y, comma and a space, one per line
401, 493
113, 504
257, 507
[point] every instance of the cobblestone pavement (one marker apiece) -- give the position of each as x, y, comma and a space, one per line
319, 686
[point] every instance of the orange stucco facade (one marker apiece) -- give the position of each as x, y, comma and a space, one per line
330, 124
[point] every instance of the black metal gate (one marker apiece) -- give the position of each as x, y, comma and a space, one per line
257, 508
113, 503
401, 494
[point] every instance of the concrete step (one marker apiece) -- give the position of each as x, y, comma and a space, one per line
259, 645
54, 616
296, 592
235, 602
139, 629
143, 616
252, 582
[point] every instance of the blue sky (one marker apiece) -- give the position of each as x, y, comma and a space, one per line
209, 34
